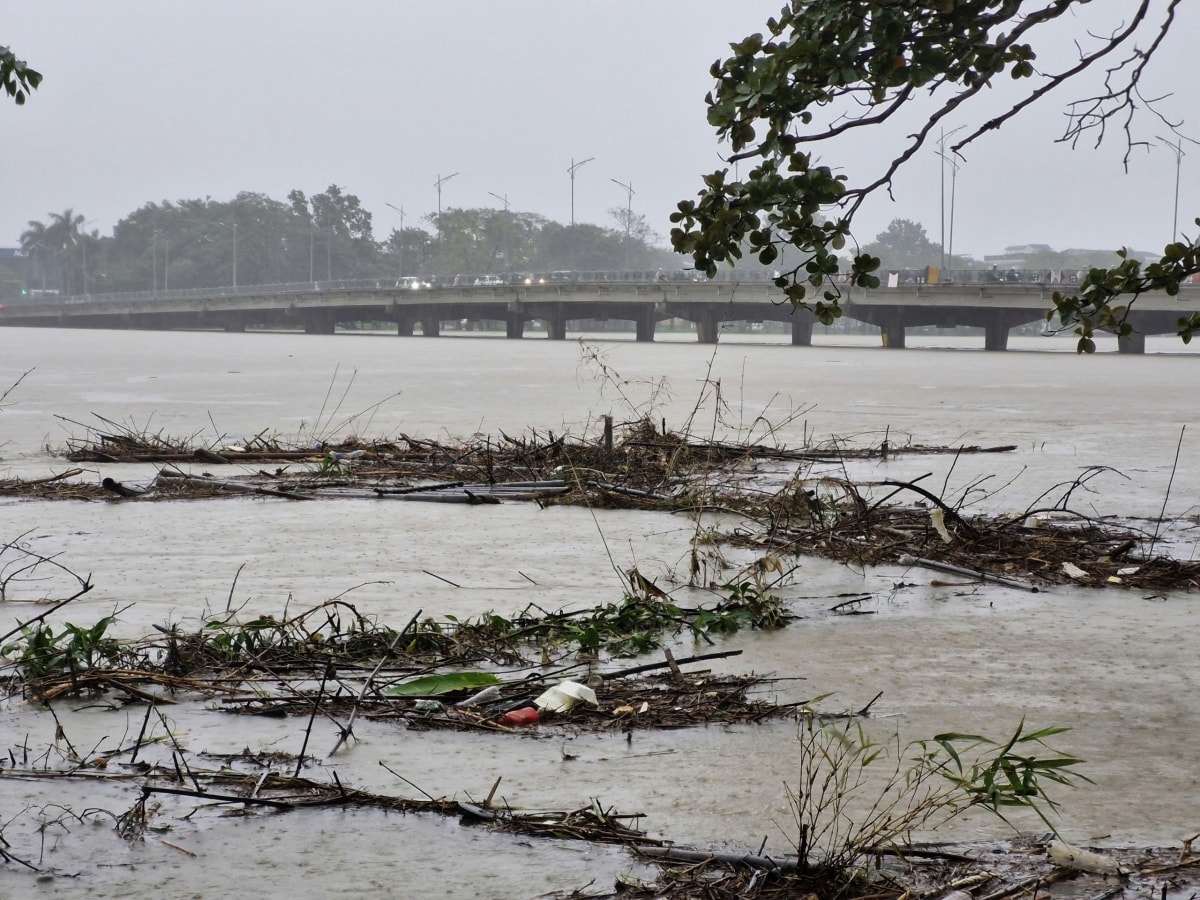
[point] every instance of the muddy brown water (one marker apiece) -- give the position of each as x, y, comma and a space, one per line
1119, 668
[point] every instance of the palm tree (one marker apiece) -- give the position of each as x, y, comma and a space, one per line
34, 245
63, 236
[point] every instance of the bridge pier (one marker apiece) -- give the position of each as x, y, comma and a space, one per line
802, 327
893, 334
233, 322
431, 326
404, 326
644, 325
995, 336
706, 327
319, 321
556, 325
514, 326
1134, 342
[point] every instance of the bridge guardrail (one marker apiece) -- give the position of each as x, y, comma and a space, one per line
950, 278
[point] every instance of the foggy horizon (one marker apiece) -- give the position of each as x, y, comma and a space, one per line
145, 103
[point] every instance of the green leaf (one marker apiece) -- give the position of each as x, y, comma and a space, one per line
1043, 733
433, 685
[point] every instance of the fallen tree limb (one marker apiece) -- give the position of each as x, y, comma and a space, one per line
219, 798
969, 573
648, 667
242, 487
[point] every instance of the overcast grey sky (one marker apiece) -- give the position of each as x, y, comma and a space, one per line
146, 101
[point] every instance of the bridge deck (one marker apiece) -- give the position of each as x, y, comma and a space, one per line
319, 308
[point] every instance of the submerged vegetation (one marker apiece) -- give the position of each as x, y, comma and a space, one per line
502, 675
860, 805
857, 805
786, 502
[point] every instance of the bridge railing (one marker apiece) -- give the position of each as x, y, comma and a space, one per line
999, 277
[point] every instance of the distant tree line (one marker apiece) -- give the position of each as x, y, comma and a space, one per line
255, 239
904, 245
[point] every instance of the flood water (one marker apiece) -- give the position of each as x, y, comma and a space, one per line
1118, 667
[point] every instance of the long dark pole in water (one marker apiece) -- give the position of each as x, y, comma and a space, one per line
970, 573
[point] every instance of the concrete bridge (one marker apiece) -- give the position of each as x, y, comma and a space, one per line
318, 308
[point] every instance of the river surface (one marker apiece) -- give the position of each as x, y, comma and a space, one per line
1119, 668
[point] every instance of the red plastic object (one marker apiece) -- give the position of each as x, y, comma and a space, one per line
526, 715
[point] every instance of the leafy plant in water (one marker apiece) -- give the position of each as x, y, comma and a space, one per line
42, 653
331, 465
854, 795
1005, 777
748, 603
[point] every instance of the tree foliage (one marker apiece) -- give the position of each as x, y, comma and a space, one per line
16, 78
325, 236
787, 102
59, 246
904, 245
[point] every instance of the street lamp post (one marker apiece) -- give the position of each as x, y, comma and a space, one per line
571, 172
234, 226
40, 247
628, 189
1177, 149
400, 241
953, 182
504, 246
953, 185
629, 192
83, 250
941, 151
438, 184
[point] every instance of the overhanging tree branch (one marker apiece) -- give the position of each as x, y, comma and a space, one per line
820, 54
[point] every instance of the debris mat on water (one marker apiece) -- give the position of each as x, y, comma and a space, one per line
798, 509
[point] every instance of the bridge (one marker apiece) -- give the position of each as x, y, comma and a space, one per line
318, 308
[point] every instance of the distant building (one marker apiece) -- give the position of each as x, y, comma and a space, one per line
1014, 257
1019, 256
9, 253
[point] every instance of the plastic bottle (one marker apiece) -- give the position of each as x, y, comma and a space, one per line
485, 696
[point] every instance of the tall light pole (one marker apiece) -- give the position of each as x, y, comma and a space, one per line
154, 257
83, 235
628, 188
400, 241
941, 151
438, 184
953, 182
1177, 149
571, 171
504, 247
234, 226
